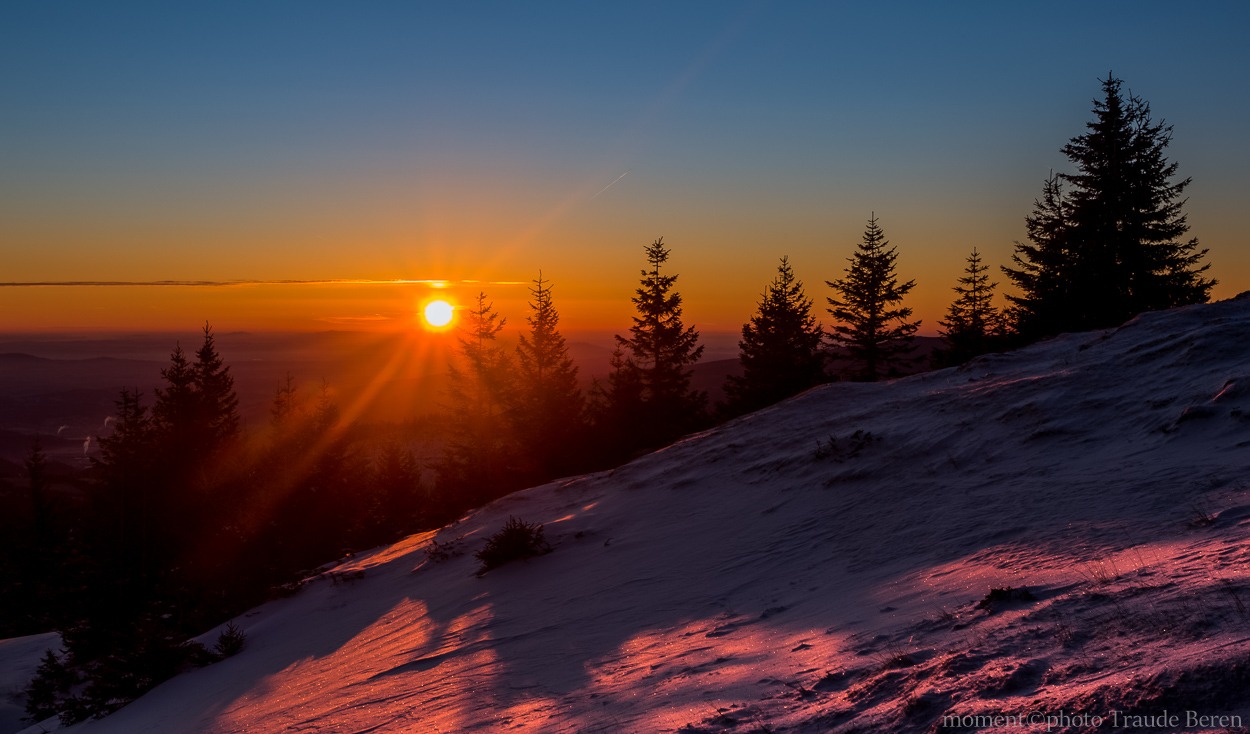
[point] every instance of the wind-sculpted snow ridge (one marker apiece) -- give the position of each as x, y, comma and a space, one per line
823, 565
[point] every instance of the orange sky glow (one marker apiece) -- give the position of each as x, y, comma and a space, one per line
593, 285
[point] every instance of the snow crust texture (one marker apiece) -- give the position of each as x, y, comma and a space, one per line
824, 565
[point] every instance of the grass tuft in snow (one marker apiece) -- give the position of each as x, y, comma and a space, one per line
895, 657
1200, 514
1101, 572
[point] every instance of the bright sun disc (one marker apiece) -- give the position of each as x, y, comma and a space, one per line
438, 313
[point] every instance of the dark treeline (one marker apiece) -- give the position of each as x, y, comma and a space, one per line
188, 521
1104, 243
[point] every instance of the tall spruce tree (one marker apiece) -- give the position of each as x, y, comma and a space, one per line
647, 400
125, 556
973, 325
315, 487
873, 328
196, 413
176, 413
398, 499
1044, 267
218, 405
1123, 228
194, 420
46, 531
35, 547
286, 410
617, 409
473, 468
780, 351
547, 405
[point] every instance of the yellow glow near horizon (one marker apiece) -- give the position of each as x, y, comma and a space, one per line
438, 313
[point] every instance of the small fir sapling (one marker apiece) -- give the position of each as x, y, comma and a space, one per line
517, 540
230, 641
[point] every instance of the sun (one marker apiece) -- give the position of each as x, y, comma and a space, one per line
438, 313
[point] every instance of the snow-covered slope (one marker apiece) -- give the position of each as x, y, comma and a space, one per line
752, 576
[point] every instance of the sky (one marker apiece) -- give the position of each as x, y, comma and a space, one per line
477, 144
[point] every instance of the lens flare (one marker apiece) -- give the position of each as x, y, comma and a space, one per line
438, 313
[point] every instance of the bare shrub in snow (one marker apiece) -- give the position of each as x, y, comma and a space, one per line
345, 577
438, 552
852, 446
1064, 632
998, 596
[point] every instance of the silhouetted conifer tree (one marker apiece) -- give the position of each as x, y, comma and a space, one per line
122, 498
176, 411
973, 325
618, 409
297, 425
1122, 236
780, 351
332, 486
51, 687
873, 328
1044, 267
46, 532
475, 457
196, 413
159, 502
314, 492
547, 406
218, 404
326, 415
33, 542
648, 399
287, 406
123, 560
397, 503
194, 420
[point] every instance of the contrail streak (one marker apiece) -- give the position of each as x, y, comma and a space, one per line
227, 283
618, 178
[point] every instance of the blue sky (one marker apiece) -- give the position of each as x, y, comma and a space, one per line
321, 140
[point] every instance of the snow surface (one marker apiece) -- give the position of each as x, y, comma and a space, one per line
751, 576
